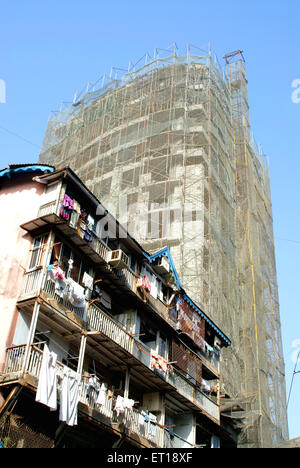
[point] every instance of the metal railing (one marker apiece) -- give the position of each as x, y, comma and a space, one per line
132, 420
99, 321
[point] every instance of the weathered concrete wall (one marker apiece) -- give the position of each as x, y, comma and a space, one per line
19, 202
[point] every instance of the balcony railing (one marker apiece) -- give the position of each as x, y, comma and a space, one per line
48, 208
131, 420
99, 321
32, 283
211, 358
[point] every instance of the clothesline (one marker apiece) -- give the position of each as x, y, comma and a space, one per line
149, 354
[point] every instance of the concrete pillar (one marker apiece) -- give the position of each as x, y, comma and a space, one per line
31, 333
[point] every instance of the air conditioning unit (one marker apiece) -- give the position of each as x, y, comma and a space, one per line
162, 267
118, 259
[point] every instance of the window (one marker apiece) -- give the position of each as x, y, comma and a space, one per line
132, 264
76, 268
148, 333
65, 256
163, 345
50, 193
37, 252
165, 294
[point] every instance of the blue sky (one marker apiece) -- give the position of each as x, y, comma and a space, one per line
50, 50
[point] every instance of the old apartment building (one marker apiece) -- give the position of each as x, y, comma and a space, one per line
172, 138
100, 344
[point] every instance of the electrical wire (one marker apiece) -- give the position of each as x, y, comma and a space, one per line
288, 240
20, 137
294, 373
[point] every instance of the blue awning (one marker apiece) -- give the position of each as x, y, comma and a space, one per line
24, 168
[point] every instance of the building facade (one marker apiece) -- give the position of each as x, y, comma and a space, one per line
106, 348
168, 148
20, 198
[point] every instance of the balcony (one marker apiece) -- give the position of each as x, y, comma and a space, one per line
129, 424
96, 250
103, 327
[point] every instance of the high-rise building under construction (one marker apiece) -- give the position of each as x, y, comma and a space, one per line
167, 147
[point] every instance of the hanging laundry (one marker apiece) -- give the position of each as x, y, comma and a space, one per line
47, 385
141, 418
68, 202
158, 362
76, 296
66, 207
81, 228
56, 273
76, 207
205, 385
152, 425
179, 302
69, 397
146, 416
153, 287
128, 403
87, 280
93, 386
102, 395
74, 219
75, 293
83, 214
146, 283
88, 236
173, 314
119, 407
91, 223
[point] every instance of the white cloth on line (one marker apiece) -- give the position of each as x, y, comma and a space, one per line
152, 425
76, 296
93, 387
102, 395
69, 397
206, 385
119, 407
142, 418
128, 403
47, 385
154, 289
87, 280
75, 293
